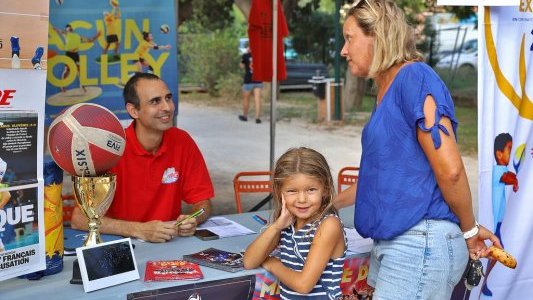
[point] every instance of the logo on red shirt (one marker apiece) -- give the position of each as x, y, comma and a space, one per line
170, 176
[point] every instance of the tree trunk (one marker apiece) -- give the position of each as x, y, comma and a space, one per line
354, 92
184, 11
244, 6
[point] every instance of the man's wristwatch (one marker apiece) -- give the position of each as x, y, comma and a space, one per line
472, 232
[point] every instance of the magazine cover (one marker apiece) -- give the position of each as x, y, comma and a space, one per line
217, 259
22, 231
165, 270
18, 147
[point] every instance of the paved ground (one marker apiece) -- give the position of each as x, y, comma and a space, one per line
230, 146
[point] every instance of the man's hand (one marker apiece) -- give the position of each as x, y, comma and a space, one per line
156, 231
188, 227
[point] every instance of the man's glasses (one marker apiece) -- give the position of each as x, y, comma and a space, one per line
358, 3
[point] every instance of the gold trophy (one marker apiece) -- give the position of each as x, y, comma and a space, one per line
94, 195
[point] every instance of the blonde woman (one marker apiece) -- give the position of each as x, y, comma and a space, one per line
412, 196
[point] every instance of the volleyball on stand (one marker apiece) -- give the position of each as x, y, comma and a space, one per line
86, 140
113, 3
164, 28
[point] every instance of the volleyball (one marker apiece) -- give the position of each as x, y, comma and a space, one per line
86, 140
164, 28
113, 3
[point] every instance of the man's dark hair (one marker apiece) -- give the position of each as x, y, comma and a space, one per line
130, 93
500, 141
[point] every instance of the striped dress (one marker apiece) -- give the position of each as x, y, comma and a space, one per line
294, 247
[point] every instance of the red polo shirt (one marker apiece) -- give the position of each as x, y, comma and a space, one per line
152, 186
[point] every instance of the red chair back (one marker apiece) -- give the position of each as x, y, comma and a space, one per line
251, 182
347, 176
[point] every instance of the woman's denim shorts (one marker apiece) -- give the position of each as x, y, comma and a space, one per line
247, 87
425, 262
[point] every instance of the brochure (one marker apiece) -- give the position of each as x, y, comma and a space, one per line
167, 270
224, 227
217, 259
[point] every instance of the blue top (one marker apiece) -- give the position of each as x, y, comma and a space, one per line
498, 193
397, 187
294, 248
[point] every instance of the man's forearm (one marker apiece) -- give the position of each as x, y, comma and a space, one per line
108, 225
206, 205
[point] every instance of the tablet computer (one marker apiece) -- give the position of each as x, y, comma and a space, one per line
107, 264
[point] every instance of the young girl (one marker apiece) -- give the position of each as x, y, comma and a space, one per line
305, 227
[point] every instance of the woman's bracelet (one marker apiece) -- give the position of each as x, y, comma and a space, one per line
472, 232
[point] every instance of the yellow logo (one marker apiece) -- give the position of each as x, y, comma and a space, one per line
522, 102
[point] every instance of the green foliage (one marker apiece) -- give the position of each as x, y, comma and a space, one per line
230, 85
212, 14
313, 36
206, 58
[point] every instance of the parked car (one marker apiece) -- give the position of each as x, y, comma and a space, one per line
464, 59
243, 44
298, 73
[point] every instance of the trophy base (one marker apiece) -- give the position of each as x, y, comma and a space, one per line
76, 274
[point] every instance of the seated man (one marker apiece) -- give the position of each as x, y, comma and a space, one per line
161, 166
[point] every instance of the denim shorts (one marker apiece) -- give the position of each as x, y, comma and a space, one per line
250, 86
425, 262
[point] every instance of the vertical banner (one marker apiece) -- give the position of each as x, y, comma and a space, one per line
96, 46
506, 146
260, 36
22, 244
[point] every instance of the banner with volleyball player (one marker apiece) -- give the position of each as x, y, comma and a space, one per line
94, 47
22, 232
506, 146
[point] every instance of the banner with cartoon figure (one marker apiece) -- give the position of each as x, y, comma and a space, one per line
506, 146
94, 47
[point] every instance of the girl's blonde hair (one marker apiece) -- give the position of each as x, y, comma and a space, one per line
308, 162
394, 39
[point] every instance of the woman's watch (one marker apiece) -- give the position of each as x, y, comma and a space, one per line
472, 232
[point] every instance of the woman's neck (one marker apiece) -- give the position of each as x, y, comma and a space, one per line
385, 79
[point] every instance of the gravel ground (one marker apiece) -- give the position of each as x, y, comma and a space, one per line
230, 146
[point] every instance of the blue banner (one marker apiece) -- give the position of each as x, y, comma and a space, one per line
95, 46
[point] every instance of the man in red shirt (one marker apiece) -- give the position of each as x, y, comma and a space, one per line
161, 166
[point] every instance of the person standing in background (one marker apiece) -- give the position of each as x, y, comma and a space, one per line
250, 87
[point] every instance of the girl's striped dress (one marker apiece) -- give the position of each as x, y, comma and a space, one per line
294, 247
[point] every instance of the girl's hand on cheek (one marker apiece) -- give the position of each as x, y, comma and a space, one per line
285, 218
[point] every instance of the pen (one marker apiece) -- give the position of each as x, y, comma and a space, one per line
194, 215
259, 220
